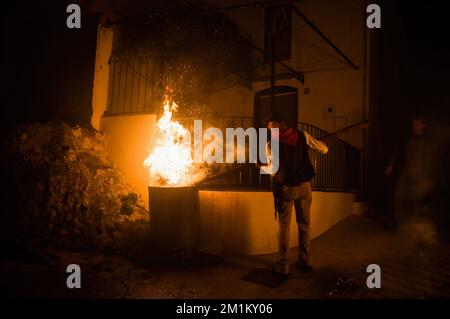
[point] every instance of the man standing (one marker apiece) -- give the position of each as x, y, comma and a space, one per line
292, 187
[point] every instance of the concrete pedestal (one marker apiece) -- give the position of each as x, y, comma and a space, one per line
174, 221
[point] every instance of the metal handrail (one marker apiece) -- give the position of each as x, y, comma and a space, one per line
338, 171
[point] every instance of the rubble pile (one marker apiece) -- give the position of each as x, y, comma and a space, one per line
67, 191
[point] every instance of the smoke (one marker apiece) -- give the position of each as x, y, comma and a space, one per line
422, 231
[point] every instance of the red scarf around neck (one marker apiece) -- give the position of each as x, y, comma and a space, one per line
287, 136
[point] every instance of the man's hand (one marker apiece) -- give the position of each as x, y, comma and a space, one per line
389, 170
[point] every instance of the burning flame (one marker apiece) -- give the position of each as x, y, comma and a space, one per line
170, 163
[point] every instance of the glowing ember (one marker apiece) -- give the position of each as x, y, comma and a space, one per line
170, 162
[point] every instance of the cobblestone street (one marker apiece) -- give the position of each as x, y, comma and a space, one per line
340, 258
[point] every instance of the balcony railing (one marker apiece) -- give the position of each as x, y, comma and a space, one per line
337, 171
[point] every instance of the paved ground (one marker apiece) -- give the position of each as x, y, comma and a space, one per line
414, 263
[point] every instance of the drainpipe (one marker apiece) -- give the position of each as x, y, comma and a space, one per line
366, 103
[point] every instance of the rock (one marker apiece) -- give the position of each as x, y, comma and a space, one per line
68, 192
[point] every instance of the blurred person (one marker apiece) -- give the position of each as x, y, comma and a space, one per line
410, 169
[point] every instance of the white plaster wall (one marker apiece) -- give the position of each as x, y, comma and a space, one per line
129, 141
336, 85
243, 222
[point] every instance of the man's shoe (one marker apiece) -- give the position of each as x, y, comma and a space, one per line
281, 268
303, 267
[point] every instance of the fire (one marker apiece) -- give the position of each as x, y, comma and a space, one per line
170, 163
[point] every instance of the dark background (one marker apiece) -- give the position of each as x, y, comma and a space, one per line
48, 69
410, 77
